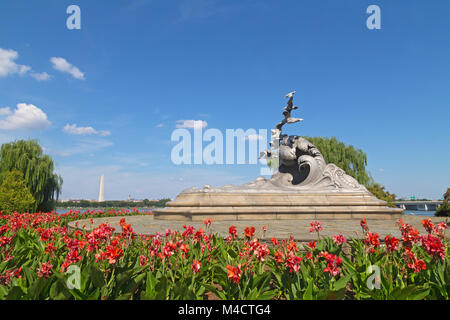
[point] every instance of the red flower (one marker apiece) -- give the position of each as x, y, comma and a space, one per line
46, 235
409, 233
442, 226
339, 239
3, 229
372, 239
113, 253
391, 243
234, 273
279, 256
333, 264
45, 270
292, 247
274, 241
184, 248
50, 248
261, 252
195, 266
433, 246
293, 262
143, 260
311, 244
232, 231
413, 263
315, 226
364, 226
428, 225
249, 232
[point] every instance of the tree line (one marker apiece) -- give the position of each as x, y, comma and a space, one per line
113, 204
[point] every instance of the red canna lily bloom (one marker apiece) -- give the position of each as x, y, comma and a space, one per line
428, 225
372, 239
311, 244
433, 246
143, 260
233, 232
249, 232
195, 266
315, 226
274, 241
234, 273
45, 270
184, 248
279, 256
292, 247
333, 264
339, 239
364, 226
391, 243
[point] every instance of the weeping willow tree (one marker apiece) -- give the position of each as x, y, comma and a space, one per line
352, 161
37, 169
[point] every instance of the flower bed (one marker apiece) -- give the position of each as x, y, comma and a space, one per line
42, 259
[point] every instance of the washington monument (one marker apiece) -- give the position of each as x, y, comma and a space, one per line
101, 193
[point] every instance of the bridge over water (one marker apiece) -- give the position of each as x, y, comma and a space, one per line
430, 205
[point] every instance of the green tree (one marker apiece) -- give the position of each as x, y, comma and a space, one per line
353, 161
14, 194
37, 169
379, 191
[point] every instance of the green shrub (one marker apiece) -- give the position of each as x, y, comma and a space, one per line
379, 191
14, 194
443, 210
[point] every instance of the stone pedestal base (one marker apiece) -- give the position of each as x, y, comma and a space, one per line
198, 206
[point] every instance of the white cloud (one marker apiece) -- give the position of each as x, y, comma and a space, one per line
191, 124
5, 111
40, 76
63, 65
74, 129
25, 117
7, 64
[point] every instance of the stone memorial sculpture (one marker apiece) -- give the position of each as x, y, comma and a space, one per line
303, 187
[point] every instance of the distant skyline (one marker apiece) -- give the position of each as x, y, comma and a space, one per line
105, 99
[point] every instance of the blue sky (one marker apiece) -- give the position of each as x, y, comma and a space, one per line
105, 99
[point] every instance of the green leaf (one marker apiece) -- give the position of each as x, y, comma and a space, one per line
342, 282
97, 277
308, 295
15, 293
